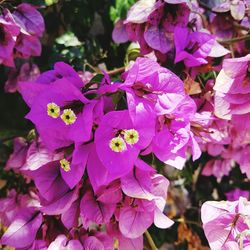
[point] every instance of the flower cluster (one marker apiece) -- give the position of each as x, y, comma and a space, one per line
169, 29
87, 163
20, 33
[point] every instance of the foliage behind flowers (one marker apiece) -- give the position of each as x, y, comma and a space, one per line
137, 124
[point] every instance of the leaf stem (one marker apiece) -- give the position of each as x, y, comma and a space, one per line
150, 241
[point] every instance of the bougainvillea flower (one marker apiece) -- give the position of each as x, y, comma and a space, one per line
29, 19
237, 8
12, 204
222, 27
9, 31
232, 88
26, 73
137, 183
18, 158
151, 24
98, 240
225, 222
157, 39
32, 26
61, 70
135, 219
140, 11
218, 168
240, 131
236, 193
122, 242
59, 112
175, 1
173, 132
146, 82
56, 196
119, 34
149, 192
118, 139
38, 155
27, 45
176, 139
99, 175
63, 243
96, 211
194, 47
241, 156
22, 231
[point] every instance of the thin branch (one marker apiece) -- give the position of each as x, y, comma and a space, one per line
236, 25
116, 71
150, 241
235, 39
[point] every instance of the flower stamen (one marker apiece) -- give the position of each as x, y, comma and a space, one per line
65, 165
131, 136
68, 116
117, 144
53, 110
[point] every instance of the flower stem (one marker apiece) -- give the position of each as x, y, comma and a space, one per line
150, 241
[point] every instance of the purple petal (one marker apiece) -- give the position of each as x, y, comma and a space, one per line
119, 33
77, 167
18, 158
140, 11
60, 205
133, 223
93, 243
238, 10
137, 184
94, 210
161, 220
29, 19
37, 156
98, 174
22, 231
70, 217
49, 182
157, 39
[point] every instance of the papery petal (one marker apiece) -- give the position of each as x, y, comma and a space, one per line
157, 39
119, 33
92, 243
161, 220
238, 10
22, 231
139, 12
94, 210
133, 223
29, 19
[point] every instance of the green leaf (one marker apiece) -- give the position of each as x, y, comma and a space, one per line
50, 2
68, 40
119, 11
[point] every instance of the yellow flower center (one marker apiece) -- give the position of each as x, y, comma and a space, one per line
53, 110
116, 244
65, 165
117, 144
131, 136
68, 116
